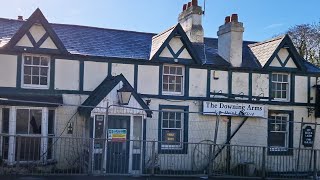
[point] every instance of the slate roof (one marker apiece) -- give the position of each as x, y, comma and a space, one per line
159, 39
102, 42
264, 50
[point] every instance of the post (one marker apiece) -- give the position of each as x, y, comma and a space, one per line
228, 144
263, 175
90, 157
210, 170
153, 157
18, 138
315, 164
105, 138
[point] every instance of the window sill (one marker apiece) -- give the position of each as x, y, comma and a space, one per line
34, 87
172, 94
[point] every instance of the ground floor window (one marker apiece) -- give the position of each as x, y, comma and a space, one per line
28, 133
280, 127
173, 129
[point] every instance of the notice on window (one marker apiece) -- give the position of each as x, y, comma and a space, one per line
233, 109
117, 135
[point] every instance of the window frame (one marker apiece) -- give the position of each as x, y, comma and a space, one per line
277, 150
34, 86
182, 80
168, 149
288, 92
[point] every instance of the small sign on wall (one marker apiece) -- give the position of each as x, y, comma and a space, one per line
308, 136
117, 135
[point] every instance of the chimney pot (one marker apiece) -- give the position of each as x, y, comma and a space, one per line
184, 7
227, 20
189, 4
20, 18
194, 2
234, 17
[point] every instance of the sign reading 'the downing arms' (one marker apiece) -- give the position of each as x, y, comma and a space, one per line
233, 109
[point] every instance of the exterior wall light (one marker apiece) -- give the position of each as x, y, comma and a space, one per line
124, 95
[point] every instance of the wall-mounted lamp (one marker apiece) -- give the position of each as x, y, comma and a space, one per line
310, 110
148, 101
70, 128
215, 75
124, 95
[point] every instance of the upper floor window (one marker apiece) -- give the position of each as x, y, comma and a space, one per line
35, 71
280, 86
172, 79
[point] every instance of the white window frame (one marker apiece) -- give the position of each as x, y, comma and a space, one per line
287, 132
182, 80
281, 82
34, 86
173, 147
44, 133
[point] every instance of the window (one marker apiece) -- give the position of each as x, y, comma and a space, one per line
27, 123
172, 80
35, 71
280, 132
173, 130
280, 86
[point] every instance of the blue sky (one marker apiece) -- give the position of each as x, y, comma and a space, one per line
262, 18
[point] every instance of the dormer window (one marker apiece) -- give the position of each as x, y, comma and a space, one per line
35, 71
172, 79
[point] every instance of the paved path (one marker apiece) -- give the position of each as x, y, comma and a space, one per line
95, 178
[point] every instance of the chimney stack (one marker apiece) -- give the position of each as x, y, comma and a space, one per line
191, 21
230, 40
20, 18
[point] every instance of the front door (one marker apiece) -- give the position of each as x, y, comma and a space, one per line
118, 144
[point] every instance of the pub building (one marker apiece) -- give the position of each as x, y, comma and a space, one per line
259, 91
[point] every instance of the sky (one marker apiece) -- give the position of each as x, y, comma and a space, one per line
262, 19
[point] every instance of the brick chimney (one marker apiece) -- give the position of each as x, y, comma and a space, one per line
191, 21
230, 38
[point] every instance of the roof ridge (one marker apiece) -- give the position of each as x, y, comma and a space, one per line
266, 41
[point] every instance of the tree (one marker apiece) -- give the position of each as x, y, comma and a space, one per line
306, 38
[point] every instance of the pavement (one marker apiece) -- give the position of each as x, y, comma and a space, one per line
95, 178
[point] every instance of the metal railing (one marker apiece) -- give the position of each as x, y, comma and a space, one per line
38, 155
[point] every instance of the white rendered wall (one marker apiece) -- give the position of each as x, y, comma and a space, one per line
94, 74
198, 82
148, 79
301, 89
8, 70
240, 83
66, 74
126, 69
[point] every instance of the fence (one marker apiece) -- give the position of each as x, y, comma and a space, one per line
38, 155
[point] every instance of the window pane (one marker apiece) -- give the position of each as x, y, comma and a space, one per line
165, 87
179, 70
27, 60
137, 132
30, 148
274, 77
27, 70
27, 79
35, 121
22, 121
178, 124
178, 88
285, 78
51, 122
165, 115
43, 80
171, 87
172, 70
35, 79
165, 123
166, 69
35, 71
44, 71
172, 115
277, 139
36, 60
179, 79
172, 79
50, 148
171, 124
5, 120
178, 116
165, 79
284, 95
44, 61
